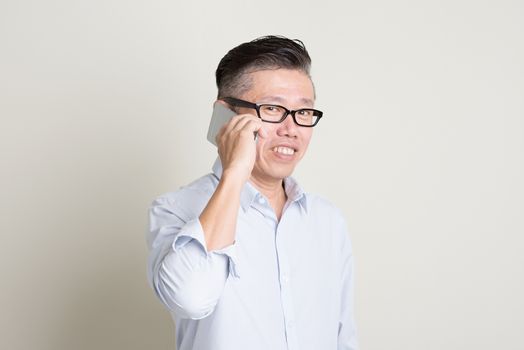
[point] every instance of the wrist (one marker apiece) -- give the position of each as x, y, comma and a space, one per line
232, 181
234, 177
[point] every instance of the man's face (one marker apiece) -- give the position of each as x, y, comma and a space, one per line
286, 142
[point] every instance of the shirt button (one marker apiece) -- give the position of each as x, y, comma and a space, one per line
261, 200
285, 279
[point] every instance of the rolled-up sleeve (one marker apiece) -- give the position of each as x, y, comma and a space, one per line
186, 277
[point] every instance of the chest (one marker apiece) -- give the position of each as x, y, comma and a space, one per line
299, 251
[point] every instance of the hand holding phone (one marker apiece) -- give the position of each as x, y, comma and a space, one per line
236, 149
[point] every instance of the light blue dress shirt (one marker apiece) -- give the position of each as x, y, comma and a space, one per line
283, 285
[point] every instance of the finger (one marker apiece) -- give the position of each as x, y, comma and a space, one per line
230, 125
243, 121
251, 128
232, 122
236, 125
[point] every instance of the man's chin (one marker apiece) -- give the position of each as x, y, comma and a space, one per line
281, 174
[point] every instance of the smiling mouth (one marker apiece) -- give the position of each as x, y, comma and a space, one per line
284, 150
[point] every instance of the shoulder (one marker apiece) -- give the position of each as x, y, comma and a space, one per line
330, 217
324, 208
189, 199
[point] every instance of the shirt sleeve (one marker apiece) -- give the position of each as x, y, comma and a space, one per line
186, 277
347, 333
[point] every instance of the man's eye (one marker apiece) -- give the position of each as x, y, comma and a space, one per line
272, 109
305, 112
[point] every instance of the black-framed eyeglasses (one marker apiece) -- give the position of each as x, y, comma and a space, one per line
307, 117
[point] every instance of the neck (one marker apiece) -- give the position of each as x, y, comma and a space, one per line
273, 190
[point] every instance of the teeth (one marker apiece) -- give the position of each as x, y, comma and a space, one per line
284, 150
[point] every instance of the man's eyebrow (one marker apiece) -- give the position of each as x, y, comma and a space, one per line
278, 99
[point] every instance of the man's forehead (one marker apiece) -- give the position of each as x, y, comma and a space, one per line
281, 100
281, 86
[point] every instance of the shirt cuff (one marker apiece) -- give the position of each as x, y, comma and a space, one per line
193, 232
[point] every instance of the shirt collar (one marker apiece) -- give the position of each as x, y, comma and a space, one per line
294, 192
249, 193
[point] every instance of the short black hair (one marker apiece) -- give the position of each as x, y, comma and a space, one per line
267, 52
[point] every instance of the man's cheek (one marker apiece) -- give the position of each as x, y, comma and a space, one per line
261, 144
260, 147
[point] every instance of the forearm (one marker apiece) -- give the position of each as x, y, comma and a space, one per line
237, 151
190, 279
186, 277
219, 217
192, 256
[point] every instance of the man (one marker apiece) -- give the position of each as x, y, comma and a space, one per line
242, 257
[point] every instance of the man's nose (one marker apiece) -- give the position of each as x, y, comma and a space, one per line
288, 127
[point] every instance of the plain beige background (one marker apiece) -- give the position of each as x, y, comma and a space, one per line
104, 105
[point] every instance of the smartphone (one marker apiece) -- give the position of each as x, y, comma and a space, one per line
221, 115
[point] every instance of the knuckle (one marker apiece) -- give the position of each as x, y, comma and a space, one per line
253, 121
245, 132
